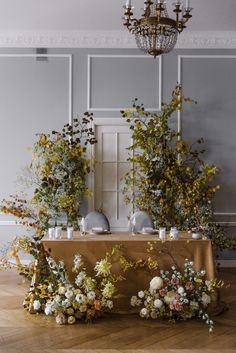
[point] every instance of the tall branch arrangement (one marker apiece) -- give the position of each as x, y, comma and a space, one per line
169, 179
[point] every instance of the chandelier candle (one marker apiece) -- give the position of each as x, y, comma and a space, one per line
155, 32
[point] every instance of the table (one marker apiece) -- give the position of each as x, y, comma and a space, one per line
168, 253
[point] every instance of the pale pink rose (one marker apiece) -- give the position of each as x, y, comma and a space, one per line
178, 306
189, 286
175, 280
166, 281
177, 296
163, 292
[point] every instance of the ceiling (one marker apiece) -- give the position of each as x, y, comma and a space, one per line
102, 15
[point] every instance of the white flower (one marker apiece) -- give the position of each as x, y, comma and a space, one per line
181, 290
36, 305
77, 262
133, 300
156, 283
50, 288
91, 295
206, 299
69, 294
80, 277
48, 309
169, 297
143, 312
57, 299
109, 304
158, 303
108, 290
149, 299
141, 294
66, 303
103, 268
61, 290
80, 298
194, 305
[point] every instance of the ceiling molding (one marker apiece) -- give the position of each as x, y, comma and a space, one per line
110, 39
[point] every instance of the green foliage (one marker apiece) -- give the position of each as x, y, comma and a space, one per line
60, 165
168, 179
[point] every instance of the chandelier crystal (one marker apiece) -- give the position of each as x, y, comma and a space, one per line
155, 32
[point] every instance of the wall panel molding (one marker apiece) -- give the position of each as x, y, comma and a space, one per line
110, 39
69, 57
220, 216
105, 109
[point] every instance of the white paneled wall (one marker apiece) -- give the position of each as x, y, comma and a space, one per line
111, 154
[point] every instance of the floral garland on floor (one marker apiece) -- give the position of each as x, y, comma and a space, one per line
84, 300
178, 296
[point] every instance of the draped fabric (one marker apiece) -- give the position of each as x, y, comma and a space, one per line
134, 247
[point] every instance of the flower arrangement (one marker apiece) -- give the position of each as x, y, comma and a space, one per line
60, 164
168, 178
177, 296
87, 298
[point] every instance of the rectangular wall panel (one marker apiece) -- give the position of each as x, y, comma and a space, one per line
115, 80
35, 96
210, 79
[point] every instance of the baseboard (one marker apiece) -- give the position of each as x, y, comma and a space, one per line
227, 263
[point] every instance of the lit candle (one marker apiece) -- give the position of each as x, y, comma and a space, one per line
187, 4
128, 3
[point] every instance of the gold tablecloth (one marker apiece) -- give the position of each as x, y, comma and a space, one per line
168, 253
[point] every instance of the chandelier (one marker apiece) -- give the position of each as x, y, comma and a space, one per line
155, 32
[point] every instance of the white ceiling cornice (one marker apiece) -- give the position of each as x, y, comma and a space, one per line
110, 39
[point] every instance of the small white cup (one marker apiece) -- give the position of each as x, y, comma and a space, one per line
162, 233
70, 233
51, 233
58, 231
174, 233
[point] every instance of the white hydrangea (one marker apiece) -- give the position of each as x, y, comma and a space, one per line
169, 297
156, 283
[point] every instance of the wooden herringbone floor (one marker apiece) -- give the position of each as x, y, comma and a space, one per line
24, 333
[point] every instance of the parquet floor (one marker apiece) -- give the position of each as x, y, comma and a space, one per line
24, 333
